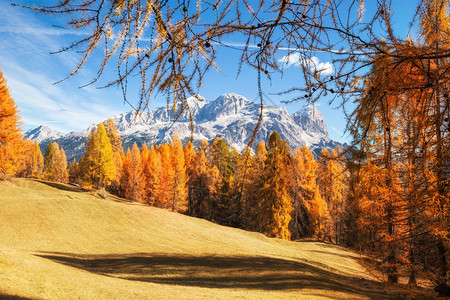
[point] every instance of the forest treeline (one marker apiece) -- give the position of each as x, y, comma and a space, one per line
276, 191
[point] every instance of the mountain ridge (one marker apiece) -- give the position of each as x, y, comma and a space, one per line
231, 117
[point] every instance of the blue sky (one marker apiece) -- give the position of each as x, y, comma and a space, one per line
28, 38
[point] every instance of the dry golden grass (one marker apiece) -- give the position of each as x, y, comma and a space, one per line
58, 241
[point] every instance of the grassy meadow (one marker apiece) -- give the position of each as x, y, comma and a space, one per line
62, 242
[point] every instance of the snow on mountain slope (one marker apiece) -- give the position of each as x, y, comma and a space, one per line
42, 133
231, 117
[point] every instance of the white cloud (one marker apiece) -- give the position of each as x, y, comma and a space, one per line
291, 59
296, 59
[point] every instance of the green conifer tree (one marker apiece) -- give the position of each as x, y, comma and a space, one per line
224, 205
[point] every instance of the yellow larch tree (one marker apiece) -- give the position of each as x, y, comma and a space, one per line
435, 31
275, 202
125, 175
299, 180
116, 144
61, 165
145, 170
242, 164
32, 160
383, 226
113, 135
49, 161
86, 164
99, 162
332, 185
55, 164
75, 175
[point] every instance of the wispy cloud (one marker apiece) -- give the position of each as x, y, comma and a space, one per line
294, 59
314, 64
25, 38
41, 102
31, 73
337, 131
11, 27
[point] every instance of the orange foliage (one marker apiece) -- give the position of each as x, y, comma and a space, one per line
10, 132
151, 171
167, 177
132, 179
32, 160
179, 198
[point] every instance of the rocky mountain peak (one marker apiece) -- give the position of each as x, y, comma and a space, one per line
311, 119
196, 101
42, 133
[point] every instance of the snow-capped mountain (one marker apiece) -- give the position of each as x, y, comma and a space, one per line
42, 133
311, 119
231, 117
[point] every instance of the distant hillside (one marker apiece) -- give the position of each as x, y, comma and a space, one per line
60, 242
231, 117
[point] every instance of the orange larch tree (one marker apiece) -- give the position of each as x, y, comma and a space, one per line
132, 179
167, 178
189, 160
310, 214
55, 164
180, 190
10, 132
151, 162
251, 188
202, 183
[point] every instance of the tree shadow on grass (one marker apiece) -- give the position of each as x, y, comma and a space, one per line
12, 297
234, 272
62, 186
339, 255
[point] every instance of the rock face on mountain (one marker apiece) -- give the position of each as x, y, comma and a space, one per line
231, 117
311, 119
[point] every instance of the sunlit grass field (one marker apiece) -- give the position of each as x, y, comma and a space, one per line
62, 242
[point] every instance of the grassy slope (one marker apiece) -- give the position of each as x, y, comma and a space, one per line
56, 242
